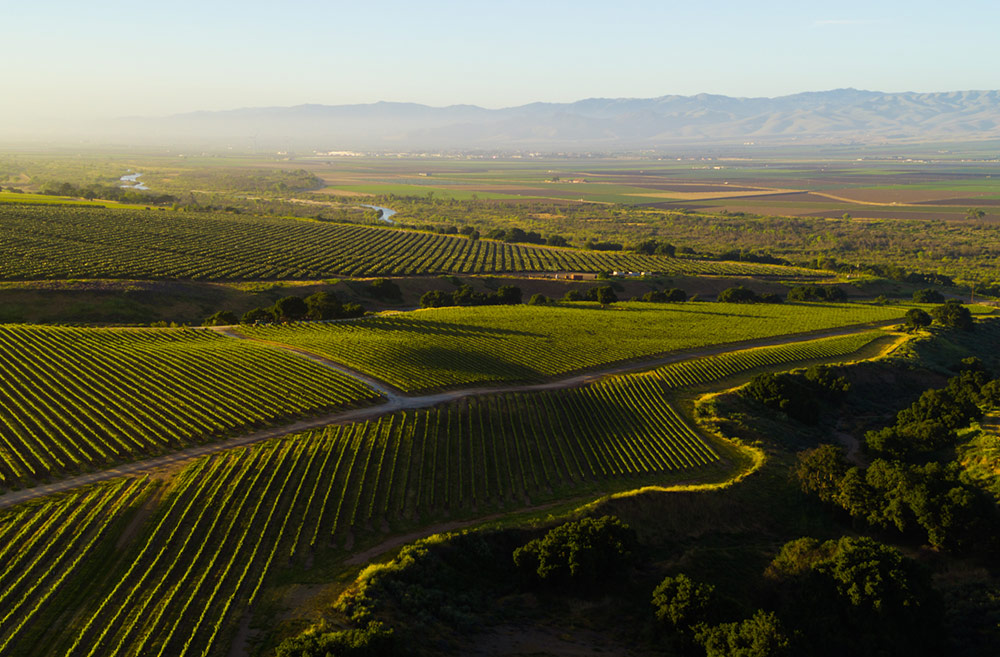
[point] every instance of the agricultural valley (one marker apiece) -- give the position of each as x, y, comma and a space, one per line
308, 403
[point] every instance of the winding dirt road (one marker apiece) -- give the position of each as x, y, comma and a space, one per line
395, 400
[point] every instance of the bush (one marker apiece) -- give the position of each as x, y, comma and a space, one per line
538, 300
574, 295
582, 553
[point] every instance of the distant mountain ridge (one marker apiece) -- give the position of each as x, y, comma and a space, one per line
837, 116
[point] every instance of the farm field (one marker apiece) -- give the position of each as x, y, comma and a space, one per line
60, 243
859, 187
451, 347
207, 544
77, 399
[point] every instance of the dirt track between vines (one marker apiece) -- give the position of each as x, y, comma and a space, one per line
396, 400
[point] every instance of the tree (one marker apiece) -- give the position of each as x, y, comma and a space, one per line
383, 288
508, 295
222, 318
258, 316
290, 309
436, 299
681, 602
917, 319
953, 315
975, 214
762, 635
738, 294
573, 295
606, 295
582, 553
538, 300
928, 295
323, 305
821, 470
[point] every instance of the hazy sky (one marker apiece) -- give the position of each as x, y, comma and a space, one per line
111, 58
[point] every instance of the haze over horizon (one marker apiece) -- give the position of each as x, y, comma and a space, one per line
72, 63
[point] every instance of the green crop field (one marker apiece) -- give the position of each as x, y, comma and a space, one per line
74, 399
715, 368
206, 543
76, 242
203, 557
458, 346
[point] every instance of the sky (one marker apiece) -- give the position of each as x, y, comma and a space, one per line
70, 59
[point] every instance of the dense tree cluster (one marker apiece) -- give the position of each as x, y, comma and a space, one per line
581, 554
108, 193
318, 306
817, 293
673, 295
741, 294
384, 290
797, 395
952, 314
855, 596
928, 295
932, 422
465, 295
604, 295
655, 247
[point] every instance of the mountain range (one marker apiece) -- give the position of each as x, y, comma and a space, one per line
841, 116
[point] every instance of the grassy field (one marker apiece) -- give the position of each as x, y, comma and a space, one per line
77, 399
460, 346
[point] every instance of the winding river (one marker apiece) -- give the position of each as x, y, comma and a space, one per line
131, 181
385, 214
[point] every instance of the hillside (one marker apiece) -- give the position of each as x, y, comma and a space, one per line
836, 116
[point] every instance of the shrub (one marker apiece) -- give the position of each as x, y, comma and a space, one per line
538, 300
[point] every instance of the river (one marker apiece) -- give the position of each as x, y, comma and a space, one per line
385, 215
131, 181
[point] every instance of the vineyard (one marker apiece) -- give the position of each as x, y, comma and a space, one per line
178, 583
232, 517
459, 346
78, 242
74, 399
715, 368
